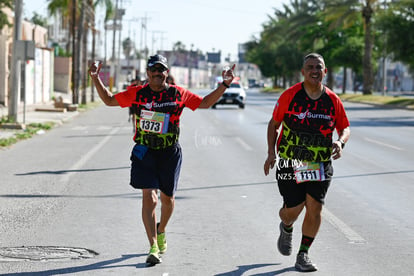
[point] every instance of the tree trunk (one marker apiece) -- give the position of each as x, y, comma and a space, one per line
344, 78
330, 80
84, 50
78, 69
92, 20
367, 65
74, 54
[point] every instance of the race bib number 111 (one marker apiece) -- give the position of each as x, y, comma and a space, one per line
152, 121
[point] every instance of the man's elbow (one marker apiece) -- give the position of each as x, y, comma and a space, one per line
110, 101
205, 103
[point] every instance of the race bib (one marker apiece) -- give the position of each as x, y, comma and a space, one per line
309, 171
155, 122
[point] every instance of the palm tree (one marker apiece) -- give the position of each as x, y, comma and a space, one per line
72, 11
346, 12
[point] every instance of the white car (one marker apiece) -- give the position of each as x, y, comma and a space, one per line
235, 94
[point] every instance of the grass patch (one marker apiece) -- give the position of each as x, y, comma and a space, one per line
377, 99
30, 131
89, 105
272, 90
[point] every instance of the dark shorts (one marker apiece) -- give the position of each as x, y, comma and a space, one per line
158, 169
294, 194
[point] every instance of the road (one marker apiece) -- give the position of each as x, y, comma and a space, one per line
69, 189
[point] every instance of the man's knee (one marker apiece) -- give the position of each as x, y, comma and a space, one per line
313, 208
149, 197
167, 200
289, 215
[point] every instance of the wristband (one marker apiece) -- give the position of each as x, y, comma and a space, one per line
342, 143
225, 84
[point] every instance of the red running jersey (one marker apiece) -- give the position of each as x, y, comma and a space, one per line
307, 124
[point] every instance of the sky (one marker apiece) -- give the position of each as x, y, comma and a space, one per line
212, 25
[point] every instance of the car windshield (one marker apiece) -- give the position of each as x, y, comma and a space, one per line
236, 85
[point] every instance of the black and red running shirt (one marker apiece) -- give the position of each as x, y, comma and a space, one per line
171, 101
307, 124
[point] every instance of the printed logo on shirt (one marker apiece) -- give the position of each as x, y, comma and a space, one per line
159, 105
310, 115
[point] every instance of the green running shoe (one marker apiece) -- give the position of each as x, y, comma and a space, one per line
154, 256
162, 241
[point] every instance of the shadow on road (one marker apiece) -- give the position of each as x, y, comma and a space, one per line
245, 268
372, 174
109, 264
70, 171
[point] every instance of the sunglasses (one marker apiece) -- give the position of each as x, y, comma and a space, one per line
157, 69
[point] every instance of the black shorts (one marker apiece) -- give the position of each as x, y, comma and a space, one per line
158, 169
294, 194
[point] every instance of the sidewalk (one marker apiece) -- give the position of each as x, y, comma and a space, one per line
31, 115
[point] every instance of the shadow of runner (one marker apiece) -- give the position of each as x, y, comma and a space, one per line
109, 264
70, 171
245, 268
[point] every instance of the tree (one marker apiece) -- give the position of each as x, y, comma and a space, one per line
4, 21
73, 12
285, 39
39, 20
127, 47
347, 12
397, 23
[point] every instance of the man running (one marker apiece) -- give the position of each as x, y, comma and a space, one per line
308, 112
156, 156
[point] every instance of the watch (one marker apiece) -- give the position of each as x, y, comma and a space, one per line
342, 143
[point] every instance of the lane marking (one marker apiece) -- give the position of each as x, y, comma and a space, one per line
243, 144
351, 235
79, 164
382, 144
79, 128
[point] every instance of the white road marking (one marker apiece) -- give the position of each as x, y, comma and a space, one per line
341, 226
79, 164
243, 144
382, 144
104, 127
79, 128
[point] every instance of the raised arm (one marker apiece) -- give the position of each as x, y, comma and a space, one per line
106, 96
215, 95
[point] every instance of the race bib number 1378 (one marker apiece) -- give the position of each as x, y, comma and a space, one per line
156, 122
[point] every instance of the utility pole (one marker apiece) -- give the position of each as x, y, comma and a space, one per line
112, 69
15, 88
119, 13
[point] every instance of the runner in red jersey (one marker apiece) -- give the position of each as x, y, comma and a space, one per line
156, 157
302, 126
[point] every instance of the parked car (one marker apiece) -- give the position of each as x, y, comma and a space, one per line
235, 95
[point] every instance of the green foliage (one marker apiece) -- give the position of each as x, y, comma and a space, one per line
39, 20
348, 33
31, 130
397, 25
4, 21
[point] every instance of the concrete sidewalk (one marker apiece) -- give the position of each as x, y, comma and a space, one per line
36, 113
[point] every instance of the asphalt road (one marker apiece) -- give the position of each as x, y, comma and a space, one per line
69, 188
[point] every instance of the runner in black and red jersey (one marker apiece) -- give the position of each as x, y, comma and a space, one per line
308, 114
156, 156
